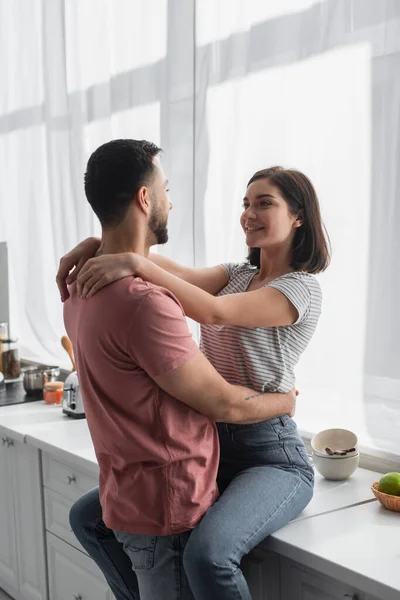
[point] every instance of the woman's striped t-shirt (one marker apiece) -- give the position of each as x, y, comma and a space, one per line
263, 358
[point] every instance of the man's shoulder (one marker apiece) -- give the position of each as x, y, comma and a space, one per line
150, 297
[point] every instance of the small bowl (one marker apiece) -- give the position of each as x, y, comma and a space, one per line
336, 439
387, 500
336, 470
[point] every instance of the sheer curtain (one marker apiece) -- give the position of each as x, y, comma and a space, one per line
226, 88
77, 74
313, 86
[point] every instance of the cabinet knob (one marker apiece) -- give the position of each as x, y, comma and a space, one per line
4, 440
10, 442
71, 479
78, 597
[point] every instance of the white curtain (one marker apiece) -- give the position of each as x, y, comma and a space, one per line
315, 86
76, 73
225, 87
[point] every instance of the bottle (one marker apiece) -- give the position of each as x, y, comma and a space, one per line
10, 363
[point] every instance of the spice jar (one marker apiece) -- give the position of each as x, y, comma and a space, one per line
53, 392
10, 362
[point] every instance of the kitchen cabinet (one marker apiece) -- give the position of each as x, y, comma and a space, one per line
302, 583
8, 550
22, 547
261, 570
72, 574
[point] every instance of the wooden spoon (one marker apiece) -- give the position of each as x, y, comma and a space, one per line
67, 345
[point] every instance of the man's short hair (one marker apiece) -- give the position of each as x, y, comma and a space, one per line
114, 173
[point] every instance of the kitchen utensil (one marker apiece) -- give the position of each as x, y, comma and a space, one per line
337, 470
36, 376
339, 452
72, 404
337, 440
387, 500
67, 345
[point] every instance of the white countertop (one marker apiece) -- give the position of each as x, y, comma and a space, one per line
45, 427
359, 546
360, 541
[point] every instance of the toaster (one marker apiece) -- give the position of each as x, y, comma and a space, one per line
72, 404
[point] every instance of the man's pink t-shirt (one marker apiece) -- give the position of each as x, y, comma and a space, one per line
158, 457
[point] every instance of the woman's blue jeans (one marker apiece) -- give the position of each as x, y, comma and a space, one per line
265, 480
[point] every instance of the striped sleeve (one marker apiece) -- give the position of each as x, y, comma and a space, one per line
296, 291
230, 269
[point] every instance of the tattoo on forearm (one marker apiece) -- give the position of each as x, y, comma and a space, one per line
254, 396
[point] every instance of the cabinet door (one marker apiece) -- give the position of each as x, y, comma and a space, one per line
56, 512
29, 523
73, 575
301, 583
261, 570
8, 552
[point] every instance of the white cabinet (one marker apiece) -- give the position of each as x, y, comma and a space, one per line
72, 574
8, 551
22, 548
57, 509
63, 484
261, 570
301, 583
65, 479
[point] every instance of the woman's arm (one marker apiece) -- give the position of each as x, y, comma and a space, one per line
75, 259
209, 279
266, 307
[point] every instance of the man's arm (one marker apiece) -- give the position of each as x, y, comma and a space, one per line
159, 341
199, 385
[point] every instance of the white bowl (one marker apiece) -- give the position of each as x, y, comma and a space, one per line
336, 439
336, 470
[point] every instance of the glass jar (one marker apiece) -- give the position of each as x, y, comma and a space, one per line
3, 331
53, 392
10, 363
3, 336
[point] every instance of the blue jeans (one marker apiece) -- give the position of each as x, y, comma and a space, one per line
265, 480
158, 564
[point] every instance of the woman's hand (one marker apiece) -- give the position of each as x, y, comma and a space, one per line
76, 257
103, 270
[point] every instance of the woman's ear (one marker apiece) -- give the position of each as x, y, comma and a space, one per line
299, 219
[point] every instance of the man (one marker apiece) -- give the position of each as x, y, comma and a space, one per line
151, 397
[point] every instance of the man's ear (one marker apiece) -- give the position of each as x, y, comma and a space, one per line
143, 199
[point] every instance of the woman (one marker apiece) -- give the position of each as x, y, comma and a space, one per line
257, 318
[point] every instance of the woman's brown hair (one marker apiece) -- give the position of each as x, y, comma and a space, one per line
311, 246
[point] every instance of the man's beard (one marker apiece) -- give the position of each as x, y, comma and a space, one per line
158, 227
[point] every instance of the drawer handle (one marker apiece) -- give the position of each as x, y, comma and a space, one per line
71, 479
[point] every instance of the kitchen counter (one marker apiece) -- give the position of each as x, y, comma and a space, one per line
343, 532
46, 428
358, 546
